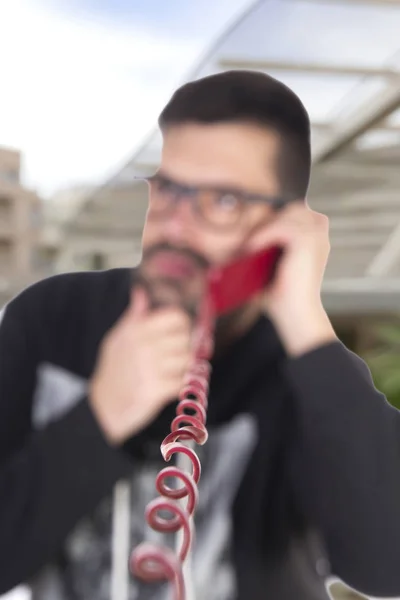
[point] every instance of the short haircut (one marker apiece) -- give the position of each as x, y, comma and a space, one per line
256, 98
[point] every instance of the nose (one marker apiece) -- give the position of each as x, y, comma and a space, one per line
180, 223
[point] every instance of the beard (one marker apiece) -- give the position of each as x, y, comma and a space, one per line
163, 292
188, 293
163, 289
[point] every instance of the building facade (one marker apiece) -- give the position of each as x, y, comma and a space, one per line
25, 256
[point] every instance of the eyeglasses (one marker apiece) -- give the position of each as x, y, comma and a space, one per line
218, 207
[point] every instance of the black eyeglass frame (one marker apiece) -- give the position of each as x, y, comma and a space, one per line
188, 192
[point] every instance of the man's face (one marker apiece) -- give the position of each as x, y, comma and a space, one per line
181, 243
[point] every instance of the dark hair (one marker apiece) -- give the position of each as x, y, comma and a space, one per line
252, 97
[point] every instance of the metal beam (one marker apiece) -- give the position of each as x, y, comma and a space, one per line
363, 285
379, 155
355, 181
388, 256
148, 156
377, 202
358, 122
344, 263
118, 231
358, 240
364, 222
308, 67
361, 297
141, 169
383, 3
135, 169
342, 191
108, 245
350, 166
327, 127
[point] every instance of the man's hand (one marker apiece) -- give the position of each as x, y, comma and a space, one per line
293, 301
140, 369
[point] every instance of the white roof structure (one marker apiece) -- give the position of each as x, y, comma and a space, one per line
342, 57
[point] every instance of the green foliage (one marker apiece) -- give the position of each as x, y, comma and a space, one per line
384, 361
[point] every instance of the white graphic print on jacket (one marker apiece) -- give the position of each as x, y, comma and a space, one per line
87, 572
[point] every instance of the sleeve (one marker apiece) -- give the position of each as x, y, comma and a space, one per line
345, 466
48, 479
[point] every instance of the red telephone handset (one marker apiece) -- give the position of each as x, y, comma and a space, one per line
236, 283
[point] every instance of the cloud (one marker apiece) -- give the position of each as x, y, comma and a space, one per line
81, 93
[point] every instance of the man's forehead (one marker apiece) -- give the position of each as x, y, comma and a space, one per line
197, 156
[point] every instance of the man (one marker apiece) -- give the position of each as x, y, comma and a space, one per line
301, 472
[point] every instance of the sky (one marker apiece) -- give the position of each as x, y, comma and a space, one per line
84, 80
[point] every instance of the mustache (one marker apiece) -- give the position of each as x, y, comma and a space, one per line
156, 302
197, 259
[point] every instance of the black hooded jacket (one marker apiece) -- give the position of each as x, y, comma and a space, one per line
301, 473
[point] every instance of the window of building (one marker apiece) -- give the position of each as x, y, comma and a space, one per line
5, 211
93, 261
5, 202
10, 175
98, 262
42, 259
5, 257
36, 217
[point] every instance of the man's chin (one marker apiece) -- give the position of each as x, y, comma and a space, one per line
163, 294
169, 292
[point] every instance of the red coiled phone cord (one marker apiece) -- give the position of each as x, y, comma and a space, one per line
227, 288
151, 562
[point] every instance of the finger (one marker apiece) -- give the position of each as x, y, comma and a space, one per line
175, 365
297, 211
276, 234
169, 321
302, 213
139, 303
176, 343
172, 388
287, 228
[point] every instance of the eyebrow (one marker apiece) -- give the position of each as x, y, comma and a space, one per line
224, 188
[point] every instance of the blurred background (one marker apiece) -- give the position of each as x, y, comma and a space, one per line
83, 82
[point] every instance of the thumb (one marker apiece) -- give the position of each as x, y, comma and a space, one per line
139, 303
